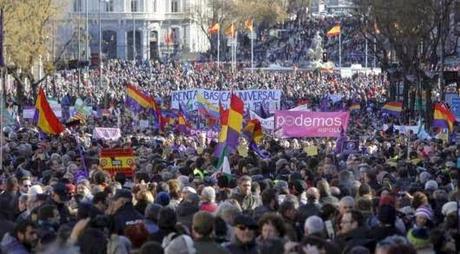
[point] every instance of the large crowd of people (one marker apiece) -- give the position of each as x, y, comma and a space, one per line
397, 193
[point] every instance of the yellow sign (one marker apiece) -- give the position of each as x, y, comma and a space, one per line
243, 151
311, 150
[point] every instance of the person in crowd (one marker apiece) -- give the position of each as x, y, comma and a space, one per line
245, 234
21, 240
202, 230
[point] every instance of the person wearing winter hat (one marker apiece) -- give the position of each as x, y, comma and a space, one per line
431, 185
420, 239
423, 215
386, 227
162, 199
245, 232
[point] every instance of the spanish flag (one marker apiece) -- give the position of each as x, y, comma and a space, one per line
393, 108
214, 29
443, 117
249, 24
334, 31
47, 120
230, 30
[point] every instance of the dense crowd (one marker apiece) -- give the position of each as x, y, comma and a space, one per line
397, 193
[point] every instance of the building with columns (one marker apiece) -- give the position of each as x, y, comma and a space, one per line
162, 27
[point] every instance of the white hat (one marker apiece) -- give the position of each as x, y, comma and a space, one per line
35, 190
431, 185
449, 207
189, 189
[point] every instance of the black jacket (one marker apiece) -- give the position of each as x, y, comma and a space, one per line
125, 214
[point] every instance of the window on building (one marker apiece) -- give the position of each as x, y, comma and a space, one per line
77, 5
174, 6
134, 6
109, 5
154, 5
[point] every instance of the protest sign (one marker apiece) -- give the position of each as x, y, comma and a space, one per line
107, 133
253, 99
311, 124
117, 160
269, 123
28, 113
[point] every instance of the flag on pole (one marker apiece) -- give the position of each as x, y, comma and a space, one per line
355, 106
214, 28
2, 60
182, 124
253, 131
235, 121
46, 119
230, 31
443, 117
334, 31
392, 108
249, 24
223, 165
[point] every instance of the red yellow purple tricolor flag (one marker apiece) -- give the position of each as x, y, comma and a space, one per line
443, 117
253, 131
231, 123
393, 108
235, 121
137, 100
138, 97
355, 106
182, 125
47, 120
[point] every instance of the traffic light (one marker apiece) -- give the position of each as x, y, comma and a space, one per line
324, 57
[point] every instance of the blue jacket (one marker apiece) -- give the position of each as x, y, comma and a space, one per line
11, 245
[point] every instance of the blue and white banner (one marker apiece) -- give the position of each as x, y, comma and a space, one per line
253, 99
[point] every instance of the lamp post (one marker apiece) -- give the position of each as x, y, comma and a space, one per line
100, 45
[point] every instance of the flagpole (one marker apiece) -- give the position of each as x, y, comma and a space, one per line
340, 49
218, 48
375, 54
3, 71
366, 53
252, 50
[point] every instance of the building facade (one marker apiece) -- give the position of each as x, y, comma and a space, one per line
162, 28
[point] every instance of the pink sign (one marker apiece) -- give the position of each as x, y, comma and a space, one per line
311, 124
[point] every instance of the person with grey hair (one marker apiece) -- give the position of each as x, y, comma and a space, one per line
346, 204
314, 226
208, 197
312, 207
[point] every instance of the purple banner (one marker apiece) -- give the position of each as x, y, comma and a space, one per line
311, 124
